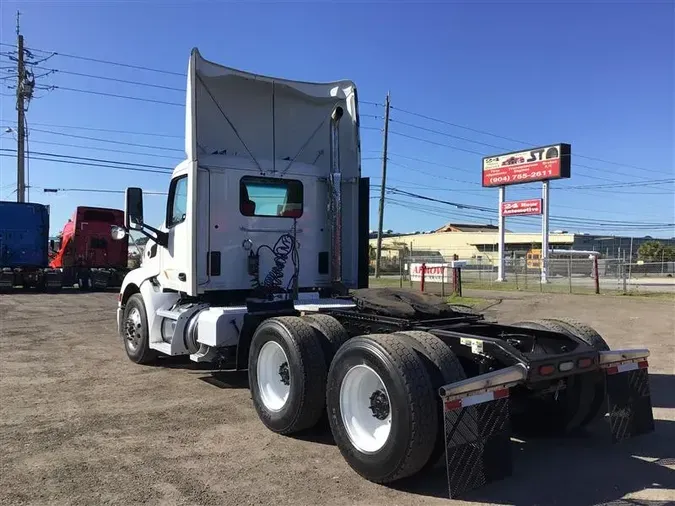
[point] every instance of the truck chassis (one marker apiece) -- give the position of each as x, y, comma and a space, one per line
470, 382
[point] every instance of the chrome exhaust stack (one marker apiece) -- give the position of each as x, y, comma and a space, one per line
335, 199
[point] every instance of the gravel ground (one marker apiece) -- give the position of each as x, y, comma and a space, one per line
81, 424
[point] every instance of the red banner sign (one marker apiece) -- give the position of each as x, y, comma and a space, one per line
539, 164
521, 207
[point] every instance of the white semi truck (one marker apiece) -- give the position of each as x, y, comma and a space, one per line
261, 264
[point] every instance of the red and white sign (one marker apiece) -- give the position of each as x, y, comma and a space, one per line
521, 207
434, 273
538, 164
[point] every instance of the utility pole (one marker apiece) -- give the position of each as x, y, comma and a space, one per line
21, 120
378, 253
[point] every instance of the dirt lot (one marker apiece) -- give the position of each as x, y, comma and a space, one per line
80, 424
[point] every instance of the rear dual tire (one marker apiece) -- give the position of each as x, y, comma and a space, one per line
582, 400
383, 406
380, 391
287, 374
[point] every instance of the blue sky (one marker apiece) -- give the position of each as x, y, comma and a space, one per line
598, 75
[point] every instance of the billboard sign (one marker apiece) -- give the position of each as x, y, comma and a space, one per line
538, 164
522, 207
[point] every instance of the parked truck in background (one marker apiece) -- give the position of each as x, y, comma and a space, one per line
261, 264
86, 254
24, 243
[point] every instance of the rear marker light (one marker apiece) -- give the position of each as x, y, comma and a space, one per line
584, 362
566, 366
545, 370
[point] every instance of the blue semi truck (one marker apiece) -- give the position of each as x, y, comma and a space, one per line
24, 247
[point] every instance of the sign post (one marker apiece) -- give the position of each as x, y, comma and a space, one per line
544, 232
538, 164
500, 248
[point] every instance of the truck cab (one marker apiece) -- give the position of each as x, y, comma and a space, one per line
86, 254
268, 204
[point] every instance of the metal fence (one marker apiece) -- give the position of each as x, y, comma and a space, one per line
570, 274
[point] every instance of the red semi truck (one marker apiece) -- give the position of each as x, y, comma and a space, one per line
86, 254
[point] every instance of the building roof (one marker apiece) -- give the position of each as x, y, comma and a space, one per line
467, 227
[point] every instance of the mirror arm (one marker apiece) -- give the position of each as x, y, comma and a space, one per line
161, 238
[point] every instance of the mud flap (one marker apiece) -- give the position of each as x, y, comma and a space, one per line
629, 401
477, 440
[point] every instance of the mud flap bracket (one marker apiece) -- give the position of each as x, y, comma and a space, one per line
628, 399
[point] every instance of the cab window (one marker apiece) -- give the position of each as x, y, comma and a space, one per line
177, 207
264, 196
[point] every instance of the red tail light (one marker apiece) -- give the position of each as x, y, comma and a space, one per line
545, 370
582, 363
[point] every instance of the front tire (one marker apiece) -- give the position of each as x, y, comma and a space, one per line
135, 332
287, 375
381, 407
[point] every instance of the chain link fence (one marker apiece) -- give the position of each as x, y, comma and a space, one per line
573, 273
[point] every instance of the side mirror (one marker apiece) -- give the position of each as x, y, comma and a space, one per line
133, 211
117, 233
51, 244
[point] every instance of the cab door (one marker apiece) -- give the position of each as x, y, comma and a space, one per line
176, 259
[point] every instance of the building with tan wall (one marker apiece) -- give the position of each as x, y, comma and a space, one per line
477, 244
474, 243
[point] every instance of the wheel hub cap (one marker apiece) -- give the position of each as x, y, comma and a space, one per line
365, 408
274, 376
132, 329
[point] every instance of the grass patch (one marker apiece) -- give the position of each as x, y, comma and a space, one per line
393, 282
649, 295
466, 301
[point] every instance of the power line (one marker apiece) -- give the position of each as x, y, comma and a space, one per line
95, 190
445, 214
98, 60
484, 132
650, 182
125, 81
115, 95
437, 143
116, 164
85, 164
98, 139
75, 127
478, 152
92, 148
59, 155
557, 188
406, 111
471, 171
430, 173
439, 132
571, 219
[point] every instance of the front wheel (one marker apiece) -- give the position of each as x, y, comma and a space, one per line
135, 331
